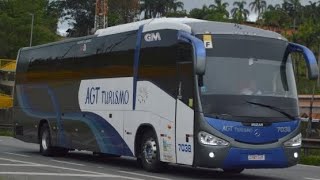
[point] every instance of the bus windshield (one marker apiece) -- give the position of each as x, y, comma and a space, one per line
242, 74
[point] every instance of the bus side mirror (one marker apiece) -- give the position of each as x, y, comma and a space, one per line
199, 51
309, 58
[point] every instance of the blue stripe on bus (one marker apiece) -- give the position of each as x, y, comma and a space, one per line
252, 134
136, 64
110, 141
26, 107
107, 137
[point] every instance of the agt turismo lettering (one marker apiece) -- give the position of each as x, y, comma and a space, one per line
96, 96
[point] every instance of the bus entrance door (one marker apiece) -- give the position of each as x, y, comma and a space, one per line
185, 114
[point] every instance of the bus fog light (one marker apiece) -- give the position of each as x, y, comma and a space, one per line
211, 155
209, 139
295, 155
294, 142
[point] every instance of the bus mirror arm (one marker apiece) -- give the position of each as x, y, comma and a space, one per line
200, 81
199, 51
309, 58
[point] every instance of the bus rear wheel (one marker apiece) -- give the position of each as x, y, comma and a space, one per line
150, 155
46, 148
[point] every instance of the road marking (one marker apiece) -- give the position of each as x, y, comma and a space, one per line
17, 161
97, 174
311, 178
58, 174
72, 169
22, 165
67, 175
143, 175
308, 166
65, 162
56, 167
22, 155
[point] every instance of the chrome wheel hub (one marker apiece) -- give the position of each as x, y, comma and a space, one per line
44, 140
150, 150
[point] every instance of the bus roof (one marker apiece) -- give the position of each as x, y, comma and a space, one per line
194, 25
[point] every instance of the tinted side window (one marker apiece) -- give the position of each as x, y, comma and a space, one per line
113, 56
185, 74
94, 57
159, 66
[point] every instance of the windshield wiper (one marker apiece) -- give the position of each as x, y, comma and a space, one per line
220, 116
273, 108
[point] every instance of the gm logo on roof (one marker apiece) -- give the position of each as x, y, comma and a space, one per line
150, 37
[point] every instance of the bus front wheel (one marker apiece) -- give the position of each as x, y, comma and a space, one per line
149, 154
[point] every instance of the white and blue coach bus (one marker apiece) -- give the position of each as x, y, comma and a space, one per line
167, 90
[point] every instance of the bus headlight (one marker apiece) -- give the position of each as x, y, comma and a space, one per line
294, 142
209, 139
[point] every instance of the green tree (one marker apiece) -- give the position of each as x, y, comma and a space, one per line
79, 14
212, 13
182, 13
275, 7
122, 11
174, 6
15, 24
312, 11
309, 33
239, 12
276, 17
159, 8
199, 13
293, 8
220, 11
258, 6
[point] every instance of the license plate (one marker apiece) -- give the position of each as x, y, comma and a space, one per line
256, 157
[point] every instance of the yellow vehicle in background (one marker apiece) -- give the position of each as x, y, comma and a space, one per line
7, 78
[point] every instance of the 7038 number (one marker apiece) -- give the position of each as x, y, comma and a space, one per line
184, 147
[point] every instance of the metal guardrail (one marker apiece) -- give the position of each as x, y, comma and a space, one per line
5, 116
6, 126
5, 95
308, 143
311, 134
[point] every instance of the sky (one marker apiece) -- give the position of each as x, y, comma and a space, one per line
191, 4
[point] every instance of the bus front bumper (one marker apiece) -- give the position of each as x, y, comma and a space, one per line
233, 157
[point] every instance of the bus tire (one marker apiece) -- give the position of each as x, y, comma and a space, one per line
233, 171
57, 151
105, 155
46, 148
150, 154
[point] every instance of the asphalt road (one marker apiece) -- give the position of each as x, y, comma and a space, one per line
19, 160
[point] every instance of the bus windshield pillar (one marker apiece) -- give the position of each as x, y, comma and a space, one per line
199, 51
